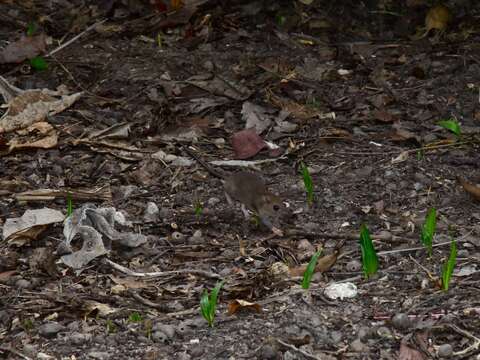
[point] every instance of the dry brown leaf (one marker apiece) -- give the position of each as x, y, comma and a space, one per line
4, 276
407, 353
247, 143
325, 263
48, 141
129, 282
34, 106
470, 188
26, 47
239, 304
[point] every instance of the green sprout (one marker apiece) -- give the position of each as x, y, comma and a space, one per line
428, 229
111, 328
208, 303
38, 63
451, 125
27, 324
135, 317
69, 204
31, 29
369, 256
420, 154
308, 183
198, 208
447, 269
307, 275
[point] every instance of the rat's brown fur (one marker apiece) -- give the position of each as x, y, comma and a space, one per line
249, 189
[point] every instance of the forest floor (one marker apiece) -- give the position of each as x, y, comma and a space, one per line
345, 89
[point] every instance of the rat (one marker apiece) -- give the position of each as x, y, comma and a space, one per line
250, 190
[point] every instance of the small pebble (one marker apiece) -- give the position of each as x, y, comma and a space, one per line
267, 352
100, 355
151, 212
50, 330
167, 329
445, 351
353, 266
159, 336
79, 338
358, 346
23, 284
401, 321
183, 356
213, 201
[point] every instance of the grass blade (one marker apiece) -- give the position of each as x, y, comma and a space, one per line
208, 303
369, 256
308, 183
428, 229
451, 125
307, 275
447, 270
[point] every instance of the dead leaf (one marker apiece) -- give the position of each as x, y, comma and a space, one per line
26, 47
384, 116
300, 341
256, 117
239, 304
325, 263
34, 106
247, 143
129, 282
47, 141
470, 188
4, 276
407, 353
403, 156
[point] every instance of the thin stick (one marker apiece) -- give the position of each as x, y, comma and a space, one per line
129, 272
75, 38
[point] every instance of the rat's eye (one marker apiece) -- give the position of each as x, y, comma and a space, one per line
276, 207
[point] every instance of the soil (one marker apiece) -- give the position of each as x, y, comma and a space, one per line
344, 87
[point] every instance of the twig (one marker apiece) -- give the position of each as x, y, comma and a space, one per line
295, 349
75, 38
474, 346
129, 272
16, 352
421, 248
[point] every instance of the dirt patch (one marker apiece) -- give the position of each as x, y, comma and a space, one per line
346, 89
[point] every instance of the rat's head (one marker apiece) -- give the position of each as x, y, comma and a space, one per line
271, 209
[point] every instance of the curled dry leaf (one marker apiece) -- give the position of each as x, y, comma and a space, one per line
325, 263
239, 304
34, 106
247, 143
470, 188
26, 47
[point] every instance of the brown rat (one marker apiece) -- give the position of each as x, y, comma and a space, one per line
250, 190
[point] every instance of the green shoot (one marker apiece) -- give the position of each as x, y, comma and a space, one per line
135, 317
69, 204
452, 125
38, 63
208, 303
307, 275
447, 269
428, 229
308, 183
31, 28
420, 155
27, 324
369, 256
111, 328
198, 208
